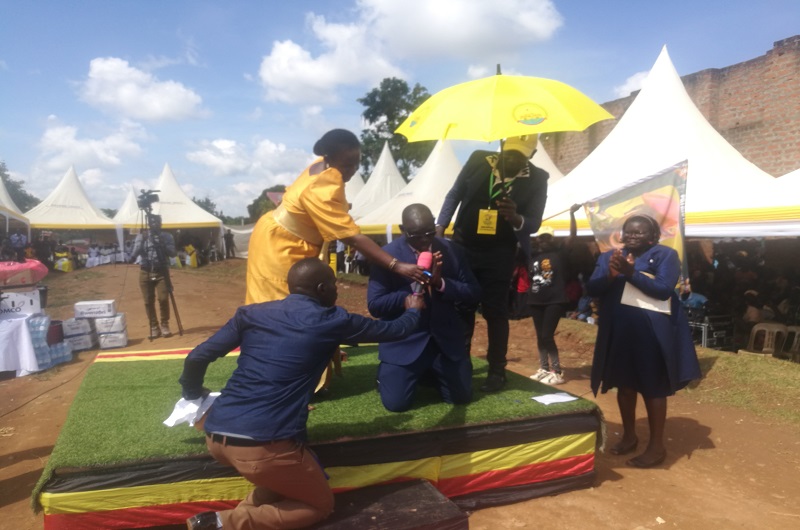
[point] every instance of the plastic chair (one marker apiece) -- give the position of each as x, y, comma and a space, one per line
791, 347
774, 337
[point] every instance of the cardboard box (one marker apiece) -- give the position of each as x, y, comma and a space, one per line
13, 304
76, 326
113, 340
82, 342
113, 324
95, 309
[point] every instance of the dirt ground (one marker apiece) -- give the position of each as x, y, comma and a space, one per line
725, 468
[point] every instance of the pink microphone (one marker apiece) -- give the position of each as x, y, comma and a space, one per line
424, 260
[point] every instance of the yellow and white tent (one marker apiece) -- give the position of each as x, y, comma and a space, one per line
68, 207
726, 195
429, 187
9, 210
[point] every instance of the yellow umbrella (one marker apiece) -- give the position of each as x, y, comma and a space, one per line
501, 106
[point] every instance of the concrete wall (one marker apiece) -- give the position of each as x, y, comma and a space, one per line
754, 105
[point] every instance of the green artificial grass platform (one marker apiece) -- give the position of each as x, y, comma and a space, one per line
116, 417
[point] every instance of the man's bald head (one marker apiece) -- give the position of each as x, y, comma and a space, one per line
313, 278
418, 226
418, 215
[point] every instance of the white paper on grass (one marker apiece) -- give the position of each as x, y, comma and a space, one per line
558, 397
190, 410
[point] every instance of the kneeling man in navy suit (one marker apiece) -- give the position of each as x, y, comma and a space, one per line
436, 349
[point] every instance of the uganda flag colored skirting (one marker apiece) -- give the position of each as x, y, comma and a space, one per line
474, 464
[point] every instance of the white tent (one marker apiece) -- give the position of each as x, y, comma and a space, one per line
176, 209
9, 209
68, 207
384, 182
542, 160
130, 210
429, 186
726, 194
354, 187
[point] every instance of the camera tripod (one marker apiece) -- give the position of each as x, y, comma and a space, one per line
145, 202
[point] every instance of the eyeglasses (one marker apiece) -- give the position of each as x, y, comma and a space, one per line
420, 236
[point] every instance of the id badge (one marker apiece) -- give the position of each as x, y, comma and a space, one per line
487, 222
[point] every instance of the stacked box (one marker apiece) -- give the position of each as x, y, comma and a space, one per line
16, 303
79, 333
95, 309
112, 332
82, 342
77, 326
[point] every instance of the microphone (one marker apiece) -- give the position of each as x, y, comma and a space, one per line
425, 260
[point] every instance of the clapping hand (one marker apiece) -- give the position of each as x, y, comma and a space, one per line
620, 264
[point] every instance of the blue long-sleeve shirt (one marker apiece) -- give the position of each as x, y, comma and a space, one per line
285, 346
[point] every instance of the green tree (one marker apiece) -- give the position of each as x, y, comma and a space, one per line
24, 200
387, 106
262, 204
110, 212
208, 205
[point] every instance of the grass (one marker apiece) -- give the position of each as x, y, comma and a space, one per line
116, 415
760, 384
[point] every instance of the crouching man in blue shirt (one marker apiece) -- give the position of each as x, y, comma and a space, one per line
258, 423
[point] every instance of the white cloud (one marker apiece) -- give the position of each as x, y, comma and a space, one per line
223, 157
632, 84
384, 31
226, 157
61, 147
115, 86
3, 65
463, 29
248, 170
351, 56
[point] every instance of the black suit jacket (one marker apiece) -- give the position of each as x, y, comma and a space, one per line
471, 192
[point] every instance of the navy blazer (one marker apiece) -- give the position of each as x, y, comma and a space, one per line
673, 337
439, 321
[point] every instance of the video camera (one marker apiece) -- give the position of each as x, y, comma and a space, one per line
146, 199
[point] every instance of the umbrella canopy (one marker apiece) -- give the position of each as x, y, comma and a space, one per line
501, 106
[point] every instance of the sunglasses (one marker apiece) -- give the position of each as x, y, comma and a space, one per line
420, 236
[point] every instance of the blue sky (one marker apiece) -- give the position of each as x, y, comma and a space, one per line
233, 94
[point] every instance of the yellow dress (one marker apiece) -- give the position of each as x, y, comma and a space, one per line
191, 256
313, 211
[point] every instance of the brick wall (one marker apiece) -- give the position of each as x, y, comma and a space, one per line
754, 105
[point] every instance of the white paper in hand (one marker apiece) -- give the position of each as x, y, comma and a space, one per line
190, 410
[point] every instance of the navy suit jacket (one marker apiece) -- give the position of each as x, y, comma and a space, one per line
439, 321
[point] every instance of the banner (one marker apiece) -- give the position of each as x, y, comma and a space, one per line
661, 196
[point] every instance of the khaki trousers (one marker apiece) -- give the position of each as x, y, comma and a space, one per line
153, 285
291, 488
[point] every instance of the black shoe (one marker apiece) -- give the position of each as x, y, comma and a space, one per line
493, 383
203, 521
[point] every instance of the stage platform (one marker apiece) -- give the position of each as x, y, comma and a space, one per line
116, 466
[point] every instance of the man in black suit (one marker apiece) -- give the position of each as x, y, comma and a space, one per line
436, 349
502, 198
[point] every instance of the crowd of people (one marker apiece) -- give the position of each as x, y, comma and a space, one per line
426, 291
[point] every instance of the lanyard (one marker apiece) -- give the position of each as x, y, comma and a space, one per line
492, 193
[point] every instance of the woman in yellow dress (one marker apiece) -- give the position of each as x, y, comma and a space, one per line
313, 211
